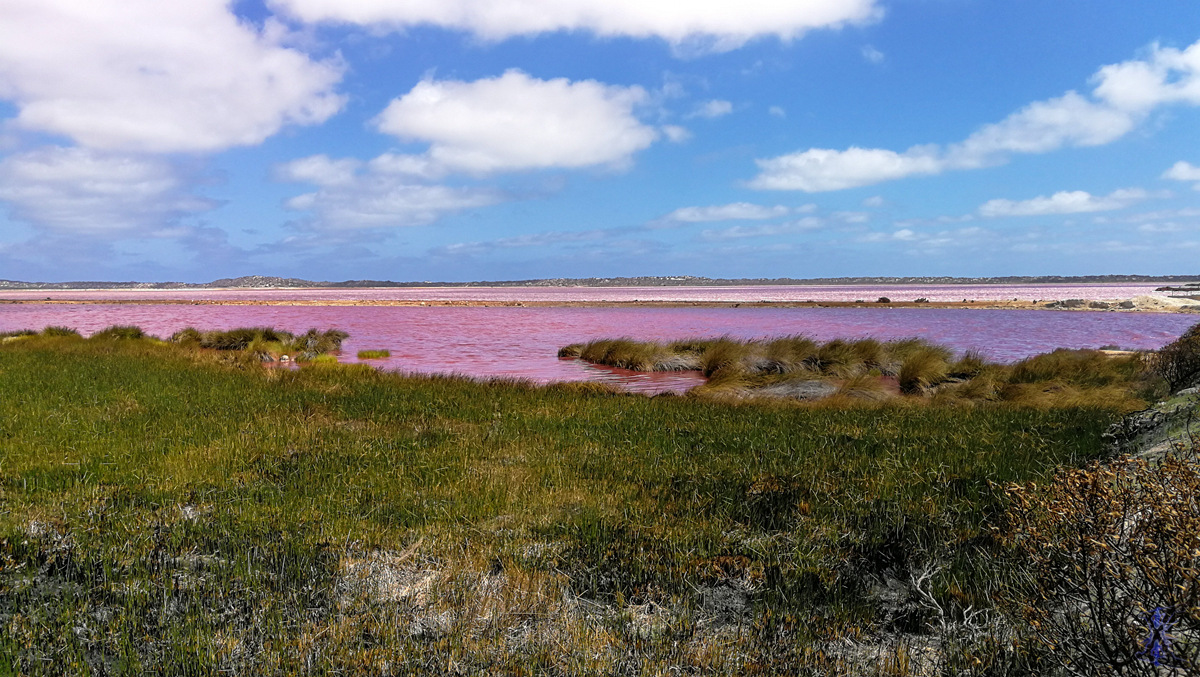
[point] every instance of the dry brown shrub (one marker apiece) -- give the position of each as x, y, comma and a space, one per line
1111, 555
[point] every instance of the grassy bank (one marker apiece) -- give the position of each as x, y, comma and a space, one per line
801, 368
163, 509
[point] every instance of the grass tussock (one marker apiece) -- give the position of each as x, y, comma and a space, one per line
165, 511
872, 370
373, 354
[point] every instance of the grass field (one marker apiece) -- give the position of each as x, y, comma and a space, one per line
169, 509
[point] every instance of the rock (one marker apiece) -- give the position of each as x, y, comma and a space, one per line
1127, 304
1099, 305
801, 390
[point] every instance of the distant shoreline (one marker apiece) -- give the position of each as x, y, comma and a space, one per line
898, 305
270, 282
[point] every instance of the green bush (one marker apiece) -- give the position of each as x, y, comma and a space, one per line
1178, 362
373, 354
120, 331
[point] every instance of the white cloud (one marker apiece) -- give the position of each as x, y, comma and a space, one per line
710, 26
806, 224
874, 202
777, 111
821, 169
1123, 95
737, 211
83, 192
675, 133
147, 75
1183, 171
1063, 202
383, 193
872, 55
1042, 126
516, 122
712, 109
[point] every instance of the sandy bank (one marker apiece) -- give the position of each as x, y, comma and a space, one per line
1155, 304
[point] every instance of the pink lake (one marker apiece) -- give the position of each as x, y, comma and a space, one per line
513, 342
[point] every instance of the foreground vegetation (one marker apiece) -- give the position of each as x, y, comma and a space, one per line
169, 509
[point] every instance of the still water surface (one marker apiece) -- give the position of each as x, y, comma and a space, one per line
514, 342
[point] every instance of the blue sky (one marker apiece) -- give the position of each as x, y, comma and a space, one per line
511, 139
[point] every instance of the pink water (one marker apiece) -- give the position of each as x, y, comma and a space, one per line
745, 294
517, 342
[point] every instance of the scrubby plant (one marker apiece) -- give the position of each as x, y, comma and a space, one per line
1111, 556
189, 336
316, 342
723, 355
17, 333
119, 331
373, 354
1178, 362
573, 350
922, 369
883, 299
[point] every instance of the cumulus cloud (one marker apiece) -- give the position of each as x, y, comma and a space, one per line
1122, 97
711, 110
91, 193
153, 76
821, 169
737, 211
710, 26
1063, 202
516, 122
383, 193
1183, 171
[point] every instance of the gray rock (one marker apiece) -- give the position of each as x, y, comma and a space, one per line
1127, 305
801, 389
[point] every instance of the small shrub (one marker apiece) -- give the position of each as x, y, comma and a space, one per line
373, 354
723, 355
883, 299
1178, 362
119, 331
921, 300
1109, 552
19, 332
573, 350
922, 369
189, 336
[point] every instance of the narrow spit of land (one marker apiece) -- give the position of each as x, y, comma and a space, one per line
1156, 305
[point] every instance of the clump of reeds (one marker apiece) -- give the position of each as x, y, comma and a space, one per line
118, 331
264, 342
373, 354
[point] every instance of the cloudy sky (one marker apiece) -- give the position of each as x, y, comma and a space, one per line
512, 139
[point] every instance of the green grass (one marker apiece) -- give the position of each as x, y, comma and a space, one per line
373, 354
163, 510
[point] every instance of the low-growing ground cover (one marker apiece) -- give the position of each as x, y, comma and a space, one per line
162, 509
